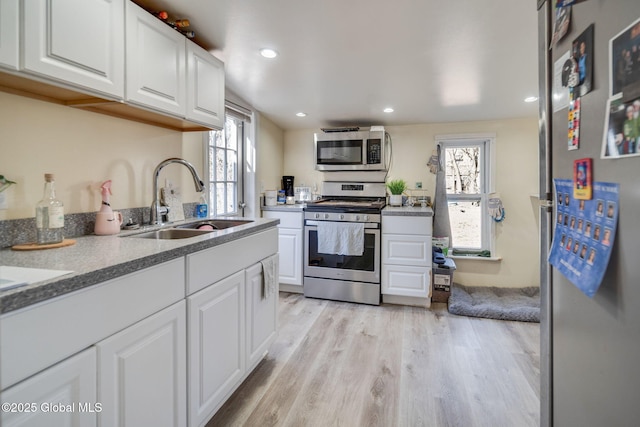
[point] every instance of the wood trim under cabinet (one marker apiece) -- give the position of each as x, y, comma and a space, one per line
35, 89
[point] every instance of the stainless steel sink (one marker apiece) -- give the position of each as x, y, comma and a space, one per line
172, 233
216, 224
191, 230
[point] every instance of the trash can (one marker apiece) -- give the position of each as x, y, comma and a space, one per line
442, 280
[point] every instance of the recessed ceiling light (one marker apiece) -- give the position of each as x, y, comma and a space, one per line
388, 110
531, 99
268, 53
301, 114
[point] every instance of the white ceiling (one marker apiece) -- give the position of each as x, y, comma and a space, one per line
343, 61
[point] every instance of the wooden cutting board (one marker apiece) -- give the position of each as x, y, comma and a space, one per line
34, 246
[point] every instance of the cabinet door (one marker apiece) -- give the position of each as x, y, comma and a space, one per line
9, 34
405, 280
205, 87
155, 57
404, 249
216, 345
142, 372
62, 395
291, 250
261, 313
80, 42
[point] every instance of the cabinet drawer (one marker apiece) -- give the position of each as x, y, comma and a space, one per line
211, 265
403, 249
287, 219
406, 281
420, 225
67, 324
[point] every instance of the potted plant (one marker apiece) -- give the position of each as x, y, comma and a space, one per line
396, 187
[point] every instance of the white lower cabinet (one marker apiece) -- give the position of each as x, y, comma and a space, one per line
406, 259
216, 345
290, 247
142, 372
232, 323
63, 395
136, 350
261, 314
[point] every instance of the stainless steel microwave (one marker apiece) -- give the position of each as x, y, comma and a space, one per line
351, 150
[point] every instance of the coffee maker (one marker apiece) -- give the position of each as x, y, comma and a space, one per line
287, 186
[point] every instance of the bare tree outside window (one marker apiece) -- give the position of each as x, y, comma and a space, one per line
466, 186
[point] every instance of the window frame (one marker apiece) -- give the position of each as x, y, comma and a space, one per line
486, 143
243, 123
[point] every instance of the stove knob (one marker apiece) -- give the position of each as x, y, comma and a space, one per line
357, 217
326, 216
341, 216
317, 216
366, 218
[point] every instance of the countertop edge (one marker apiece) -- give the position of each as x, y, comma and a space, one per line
298, 207
34, 293
407, 211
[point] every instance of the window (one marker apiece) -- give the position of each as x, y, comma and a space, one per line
468, 169
224, 155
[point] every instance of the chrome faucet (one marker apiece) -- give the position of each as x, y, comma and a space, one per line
156, 210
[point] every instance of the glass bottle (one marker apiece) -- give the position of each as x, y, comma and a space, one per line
49, 214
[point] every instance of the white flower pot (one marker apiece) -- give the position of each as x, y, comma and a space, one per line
395, 200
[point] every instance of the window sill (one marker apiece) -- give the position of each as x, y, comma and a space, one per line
476, 258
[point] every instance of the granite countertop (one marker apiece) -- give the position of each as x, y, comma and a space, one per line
298, 207
406, 211
95, 259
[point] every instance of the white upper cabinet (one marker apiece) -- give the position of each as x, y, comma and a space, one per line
205, 87
9, 34
80, 42
156, 63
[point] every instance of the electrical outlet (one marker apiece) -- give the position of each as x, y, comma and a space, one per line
419, 184
3, 201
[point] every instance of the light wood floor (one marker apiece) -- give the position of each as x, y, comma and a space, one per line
342, 364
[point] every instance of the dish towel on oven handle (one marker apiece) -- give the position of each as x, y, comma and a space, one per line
341, 238
269, 275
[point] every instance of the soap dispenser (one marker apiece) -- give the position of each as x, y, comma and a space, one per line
107, 221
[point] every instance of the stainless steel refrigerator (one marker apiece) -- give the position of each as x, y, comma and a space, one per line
590, 346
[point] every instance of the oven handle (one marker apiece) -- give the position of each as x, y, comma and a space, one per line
367, 225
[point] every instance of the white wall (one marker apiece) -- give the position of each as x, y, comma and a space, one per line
83, 149
516, 180
270, 155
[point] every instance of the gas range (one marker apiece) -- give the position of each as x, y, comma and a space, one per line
348, 210
349, 198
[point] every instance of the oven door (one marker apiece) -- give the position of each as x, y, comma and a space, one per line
363, 268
